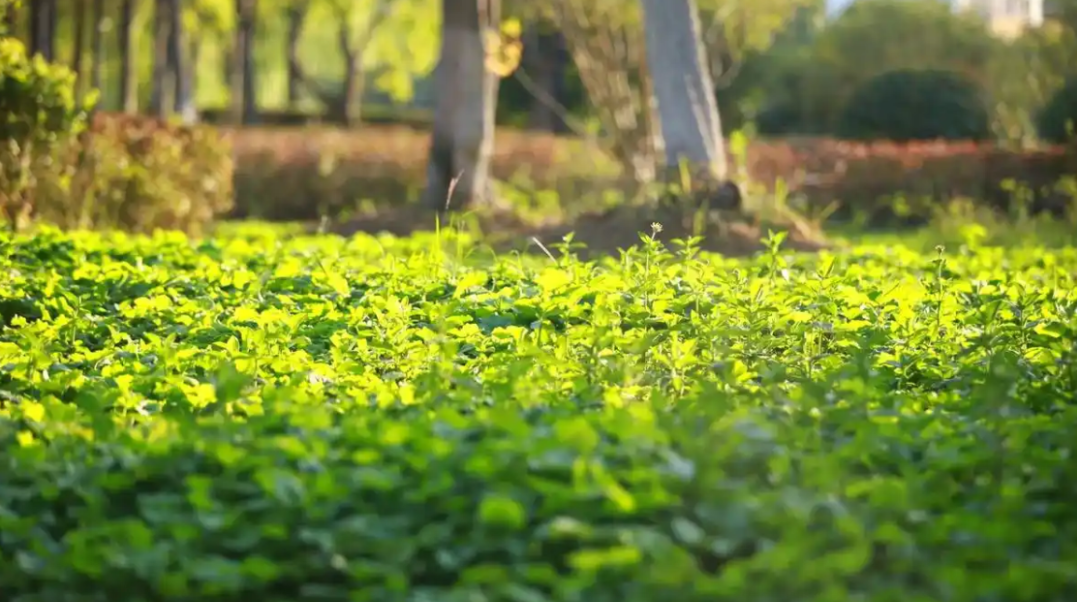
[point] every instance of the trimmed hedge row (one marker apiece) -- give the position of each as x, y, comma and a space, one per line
111, 171
302, 174
290, 174
869, 176
138, 174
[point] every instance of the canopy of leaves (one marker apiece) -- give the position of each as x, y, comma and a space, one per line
873, 36
731, 27
809, 84
210, 16
397, 48
734, 27
1025, 74
1064, 13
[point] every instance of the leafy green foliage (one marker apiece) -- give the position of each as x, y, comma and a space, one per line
916, 105
800, 85
5, 7
38, 111
1024, 75
1058, 119
736, 27
397, 49
261, 417
808, 84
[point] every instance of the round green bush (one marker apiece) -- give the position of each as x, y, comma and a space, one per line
777, 119
1057, 121
910, 104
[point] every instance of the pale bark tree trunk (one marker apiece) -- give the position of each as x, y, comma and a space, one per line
683, 87
128, 77
463, 135
607, 51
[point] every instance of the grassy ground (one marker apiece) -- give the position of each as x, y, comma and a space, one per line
272, 415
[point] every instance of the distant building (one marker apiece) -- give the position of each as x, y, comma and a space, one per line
1007, 18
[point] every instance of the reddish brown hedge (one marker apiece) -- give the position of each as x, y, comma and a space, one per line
303, 173
137, 174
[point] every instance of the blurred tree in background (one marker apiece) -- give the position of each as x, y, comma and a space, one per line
780, 67
806, 83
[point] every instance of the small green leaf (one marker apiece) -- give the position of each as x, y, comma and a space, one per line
502, 511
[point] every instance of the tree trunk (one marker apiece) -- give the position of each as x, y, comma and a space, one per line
43, 28
608, 53
162, 30
52, 22
11, 20
296, 14
351, 100
179, 65
194, 56
351, 97
250, 95
128, 77
78, 57
463, 135
235, 69
97, 43
683, 88
244, 104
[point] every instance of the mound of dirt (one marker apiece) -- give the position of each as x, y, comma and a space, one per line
608, 232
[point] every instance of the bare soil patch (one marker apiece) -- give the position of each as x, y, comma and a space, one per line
605, 232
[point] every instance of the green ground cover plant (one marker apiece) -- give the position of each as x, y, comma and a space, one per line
261, 416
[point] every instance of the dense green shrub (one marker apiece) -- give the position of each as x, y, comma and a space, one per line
905, 105
1057, 121
253, 417
780, 119
38, 114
